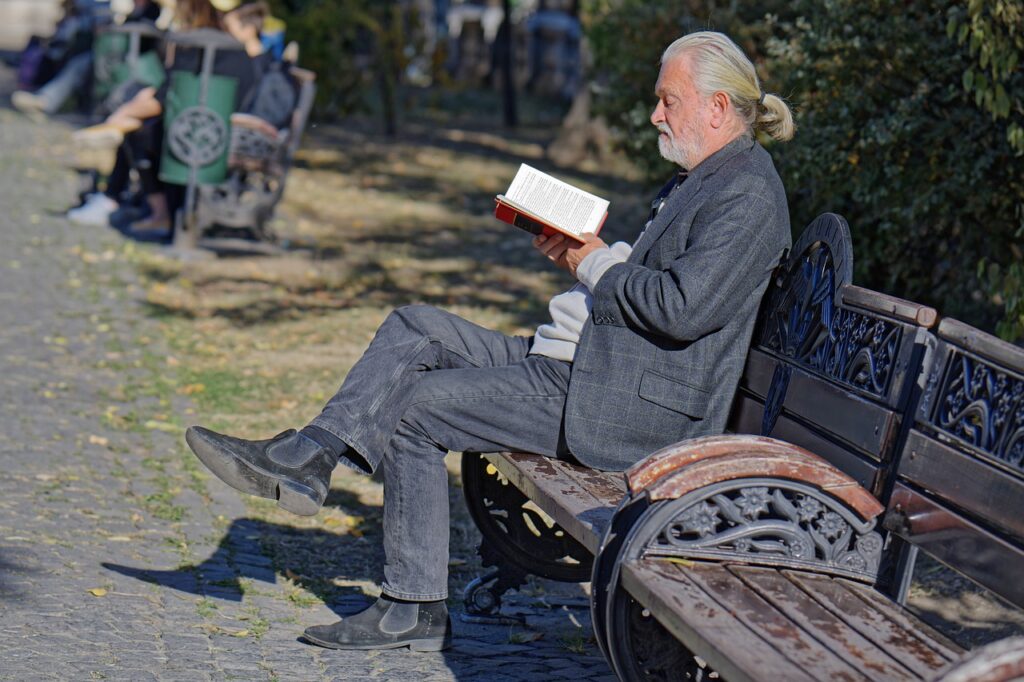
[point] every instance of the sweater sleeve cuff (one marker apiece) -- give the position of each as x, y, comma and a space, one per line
597, 263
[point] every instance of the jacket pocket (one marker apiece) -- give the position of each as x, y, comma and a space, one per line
674, 394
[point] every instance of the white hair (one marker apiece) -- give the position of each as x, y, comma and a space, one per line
717, 64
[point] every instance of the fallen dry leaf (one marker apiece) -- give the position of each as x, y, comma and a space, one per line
99, 440
97, 592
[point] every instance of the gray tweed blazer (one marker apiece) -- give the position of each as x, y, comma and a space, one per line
662, 353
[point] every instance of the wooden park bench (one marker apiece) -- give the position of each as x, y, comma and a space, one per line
863, 431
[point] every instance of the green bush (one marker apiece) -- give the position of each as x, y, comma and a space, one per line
354, 46
909, 122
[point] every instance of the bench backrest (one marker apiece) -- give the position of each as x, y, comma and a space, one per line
831, 364
959, 489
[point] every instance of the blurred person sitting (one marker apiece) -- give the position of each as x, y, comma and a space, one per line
60, 65
137, 126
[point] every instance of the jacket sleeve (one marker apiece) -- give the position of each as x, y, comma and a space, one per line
725, 261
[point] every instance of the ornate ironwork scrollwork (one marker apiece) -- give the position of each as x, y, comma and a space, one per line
802, 321
775, 398
982, 405
198, 136
771, 522
251, 144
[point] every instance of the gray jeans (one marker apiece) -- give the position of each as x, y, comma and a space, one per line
74, 76
431, 382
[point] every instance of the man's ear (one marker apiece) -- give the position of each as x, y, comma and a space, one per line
721, 108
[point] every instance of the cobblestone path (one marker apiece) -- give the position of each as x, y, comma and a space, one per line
118, 559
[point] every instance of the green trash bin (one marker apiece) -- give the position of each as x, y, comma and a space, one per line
195, 134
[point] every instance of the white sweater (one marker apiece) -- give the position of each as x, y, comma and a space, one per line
569, 310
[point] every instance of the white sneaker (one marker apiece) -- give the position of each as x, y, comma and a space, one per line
95, 211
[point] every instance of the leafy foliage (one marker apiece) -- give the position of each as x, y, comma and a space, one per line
994, 34
909, 123
352, 45
627, 38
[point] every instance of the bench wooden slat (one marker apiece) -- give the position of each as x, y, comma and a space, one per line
986, 557
901, 635
862, 423
705, 626
875, 301
946, 647
966, 482
822, 624
987, 346
746, 418
798, 645
577, 501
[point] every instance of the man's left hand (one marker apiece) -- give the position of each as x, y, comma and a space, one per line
568, 253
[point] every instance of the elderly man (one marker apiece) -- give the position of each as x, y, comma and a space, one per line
645, 350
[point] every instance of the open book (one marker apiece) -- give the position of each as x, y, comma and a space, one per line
542, 204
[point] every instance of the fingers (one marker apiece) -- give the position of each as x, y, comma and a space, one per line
553, 247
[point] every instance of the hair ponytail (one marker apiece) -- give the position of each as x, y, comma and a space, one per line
718, 64
774, 118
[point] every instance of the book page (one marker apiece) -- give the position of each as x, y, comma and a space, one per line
556, 202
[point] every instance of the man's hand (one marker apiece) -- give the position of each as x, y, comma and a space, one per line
568, 253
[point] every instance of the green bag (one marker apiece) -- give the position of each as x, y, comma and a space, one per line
194, 132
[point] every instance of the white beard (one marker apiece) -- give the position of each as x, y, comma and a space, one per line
680, 151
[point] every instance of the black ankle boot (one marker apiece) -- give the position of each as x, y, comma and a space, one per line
389, 624
290, 467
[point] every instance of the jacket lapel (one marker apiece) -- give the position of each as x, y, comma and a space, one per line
674, 203
684, 193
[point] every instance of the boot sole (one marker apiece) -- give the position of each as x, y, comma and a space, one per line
291, 496
418, 645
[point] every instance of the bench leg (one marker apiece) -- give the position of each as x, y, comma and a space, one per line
482, 596
515, 532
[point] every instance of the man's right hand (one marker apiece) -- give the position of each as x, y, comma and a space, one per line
567, 253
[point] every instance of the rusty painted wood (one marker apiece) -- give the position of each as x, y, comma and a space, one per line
898, 308
707, 627
583, 510
791, 640
652, 468
985, 345
917, 652
794, 464
820, 623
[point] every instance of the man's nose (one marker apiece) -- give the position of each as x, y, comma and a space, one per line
658, 115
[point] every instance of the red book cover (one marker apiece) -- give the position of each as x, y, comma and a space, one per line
531, 223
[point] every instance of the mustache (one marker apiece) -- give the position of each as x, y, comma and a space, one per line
663, 128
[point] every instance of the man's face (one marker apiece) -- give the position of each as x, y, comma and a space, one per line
681, 114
